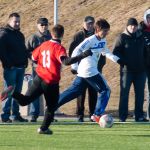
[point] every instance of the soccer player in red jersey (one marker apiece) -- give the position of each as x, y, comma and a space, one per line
49, 57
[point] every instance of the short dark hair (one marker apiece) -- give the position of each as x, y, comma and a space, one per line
15, 14
58, 31
102, 24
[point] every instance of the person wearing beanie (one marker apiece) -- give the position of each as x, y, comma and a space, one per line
85, 32
129, 46
144, 28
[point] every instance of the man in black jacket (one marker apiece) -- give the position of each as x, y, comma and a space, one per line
13, 56
130, 47
88, 30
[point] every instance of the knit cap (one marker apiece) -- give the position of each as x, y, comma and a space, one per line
132, 21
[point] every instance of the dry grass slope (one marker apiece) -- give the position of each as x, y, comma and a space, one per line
71, 14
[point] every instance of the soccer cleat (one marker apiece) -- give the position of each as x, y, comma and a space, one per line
48, 131
7, 93
95, 118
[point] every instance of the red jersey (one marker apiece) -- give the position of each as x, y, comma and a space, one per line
48, 57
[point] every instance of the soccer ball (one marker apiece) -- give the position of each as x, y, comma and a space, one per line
106, 121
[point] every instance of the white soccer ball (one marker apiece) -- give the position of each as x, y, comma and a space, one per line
106, 121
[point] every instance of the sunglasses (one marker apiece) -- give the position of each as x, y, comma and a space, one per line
44, 24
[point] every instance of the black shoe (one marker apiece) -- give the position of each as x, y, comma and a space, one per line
33, 119
91, 120
20, 119
6, 120
141, 120
55, 120
48, 131
80, 120
122, 120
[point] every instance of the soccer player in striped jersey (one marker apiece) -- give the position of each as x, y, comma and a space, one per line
87, 69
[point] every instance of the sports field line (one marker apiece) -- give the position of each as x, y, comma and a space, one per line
72, 123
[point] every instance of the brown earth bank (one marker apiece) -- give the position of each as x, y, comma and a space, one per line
71, 15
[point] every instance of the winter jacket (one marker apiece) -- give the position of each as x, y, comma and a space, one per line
37, 39
13, 52
131, 49
144, 29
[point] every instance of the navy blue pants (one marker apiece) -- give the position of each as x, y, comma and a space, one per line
97, 82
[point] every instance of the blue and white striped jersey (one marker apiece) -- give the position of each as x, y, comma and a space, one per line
88, 66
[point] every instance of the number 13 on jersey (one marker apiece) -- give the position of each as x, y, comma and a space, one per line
46, 58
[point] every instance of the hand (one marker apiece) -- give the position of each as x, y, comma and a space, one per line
120, 62
74, 71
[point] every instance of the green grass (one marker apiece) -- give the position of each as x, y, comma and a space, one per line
74, 136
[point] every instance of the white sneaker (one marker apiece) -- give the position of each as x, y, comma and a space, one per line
48, 131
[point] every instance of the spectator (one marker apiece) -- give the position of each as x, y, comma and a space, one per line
87, 30
32, 42
13, 56
144, 28
129, 47
49, 57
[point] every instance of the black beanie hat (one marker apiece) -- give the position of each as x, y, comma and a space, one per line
132, 21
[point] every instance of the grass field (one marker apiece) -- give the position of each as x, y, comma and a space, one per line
75, 136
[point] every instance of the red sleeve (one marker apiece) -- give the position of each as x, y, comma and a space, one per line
61, 52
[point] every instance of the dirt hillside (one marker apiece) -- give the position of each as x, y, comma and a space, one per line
71, 15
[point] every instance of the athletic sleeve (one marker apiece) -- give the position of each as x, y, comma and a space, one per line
106, 52
85, 45
61, 52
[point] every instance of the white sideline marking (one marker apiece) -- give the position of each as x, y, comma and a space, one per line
60, 122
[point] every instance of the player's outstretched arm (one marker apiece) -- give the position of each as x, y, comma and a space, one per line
71, 60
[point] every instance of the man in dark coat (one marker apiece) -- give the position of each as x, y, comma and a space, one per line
14, 58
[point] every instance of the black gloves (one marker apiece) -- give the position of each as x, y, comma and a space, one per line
71, 60
86, 53
120, 62
74, 71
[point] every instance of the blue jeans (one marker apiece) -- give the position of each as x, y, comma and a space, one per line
12, 76
97, 82
35, 105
